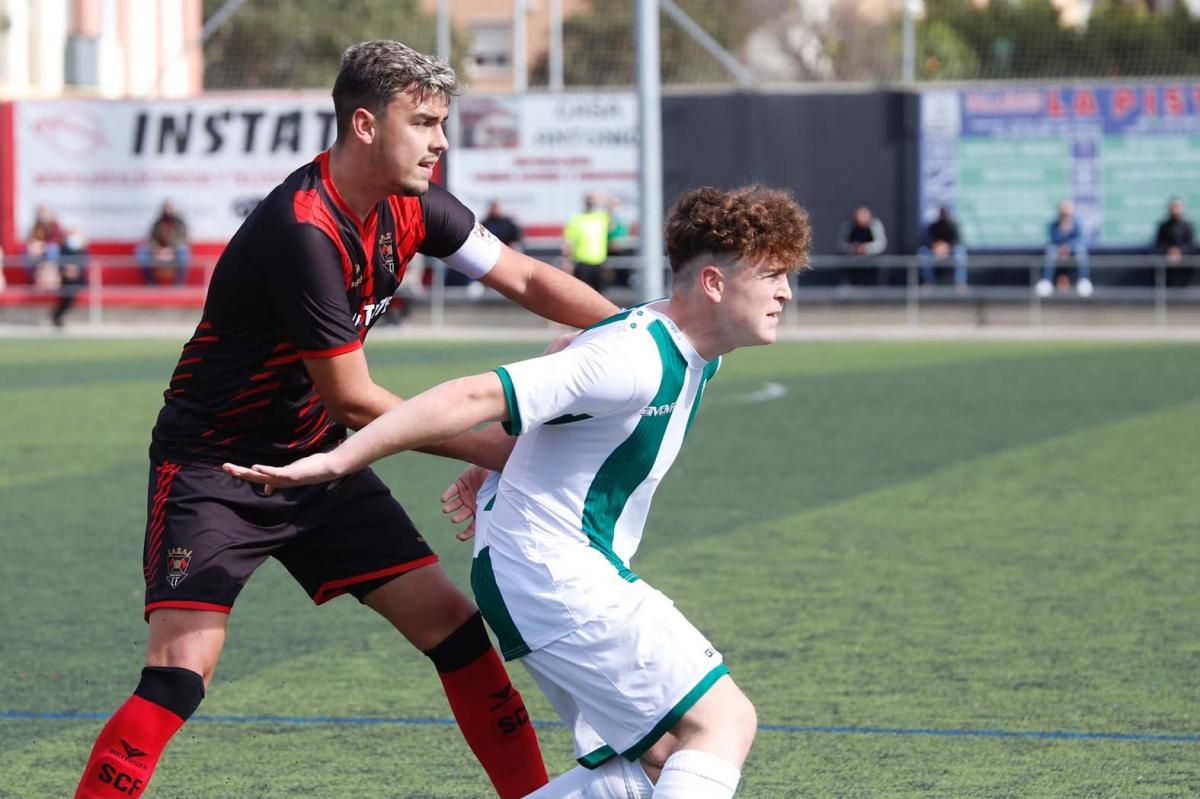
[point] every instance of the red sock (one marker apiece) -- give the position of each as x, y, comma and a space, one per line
128, 748
493, 719
127, 751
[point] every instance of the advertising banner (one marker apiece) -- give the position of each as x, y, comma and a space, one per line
538, 155
1004, 159
105, 167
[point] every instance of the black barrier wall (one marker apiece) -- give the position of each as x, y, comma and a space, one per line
834, 151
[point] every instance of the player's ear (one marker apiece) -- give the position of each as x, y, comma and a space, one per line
711, 281
363, 125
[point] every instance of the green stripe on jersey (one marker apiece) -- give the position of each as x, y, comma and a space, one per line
617, 317
513, 425
630, 463
491, 604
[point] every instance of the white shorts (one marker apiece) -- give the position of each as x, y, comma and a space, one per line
620, 682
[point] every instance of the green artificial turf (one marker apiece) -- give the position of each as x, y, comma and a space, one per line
938, 570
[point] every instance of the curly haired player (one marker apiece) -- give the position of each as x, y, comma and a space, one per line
599, 424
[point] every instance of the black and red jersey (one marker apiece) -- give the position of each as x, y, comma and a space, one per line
302, 278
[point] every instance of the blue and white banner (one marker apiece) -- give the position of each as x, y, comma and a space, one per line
1004, 158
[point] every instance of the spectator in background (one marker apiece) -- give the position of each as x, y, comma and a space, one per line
618, 241
496, 222
43, 246
502, 226
72, 274
861, 234
942, 241
3, 283
1066, 240
166, 248
585, 242
1176, 238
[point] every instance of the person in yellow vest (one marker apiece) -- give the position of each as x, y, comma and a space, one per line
585, 242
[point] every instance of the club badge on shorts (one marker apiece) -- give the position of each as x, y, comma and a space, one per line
178, 560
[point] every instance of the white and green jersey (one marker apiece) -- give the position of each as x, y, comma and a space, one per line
599, 425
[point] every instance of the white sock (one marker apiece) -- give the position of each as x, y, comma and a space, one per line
692, 774
616, 778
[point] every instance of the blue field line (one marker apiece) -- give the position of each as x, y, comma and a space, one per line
367, 721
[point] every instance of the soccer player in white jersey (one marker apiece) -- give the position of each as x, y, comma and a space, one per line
597, 426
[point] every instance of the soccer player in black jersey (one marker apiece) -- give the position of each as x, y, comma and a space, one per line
276, 371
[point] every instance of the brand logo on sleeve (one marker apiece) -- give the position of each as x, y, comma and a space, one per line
658, 410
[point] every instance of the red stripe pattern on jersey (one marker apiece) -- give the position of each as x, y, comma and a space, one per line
310, 208
240, 391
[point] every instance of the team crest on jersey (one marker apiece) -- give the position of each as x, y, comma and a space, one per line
387, 250
178, 560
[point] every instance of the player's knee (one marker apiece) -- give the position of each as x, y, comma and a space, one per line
424, 605
743, 718
723, 713
654, 757
733, 716
199, 664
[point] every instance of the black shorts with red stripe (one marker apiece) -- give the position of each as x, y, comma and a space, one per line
206, 533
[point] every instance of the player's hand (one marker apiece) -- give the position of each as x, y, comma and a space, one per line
459, 499
561, 342
317, 468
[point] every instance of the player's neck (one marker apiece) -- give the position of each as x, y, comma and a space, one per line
695, 321
354, 182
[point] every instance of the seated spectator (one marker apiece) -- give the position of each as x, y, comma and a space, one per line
862, 234
165, 252
43, 246
1176, 238
72, 274
941, 242
1066, 241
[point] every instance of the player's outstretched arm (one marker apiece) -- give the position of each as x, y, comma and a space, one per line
459, 497
442, 412
548, 292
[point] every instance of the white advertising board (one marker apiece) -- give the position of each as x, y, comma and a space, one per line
539, 154
105, 167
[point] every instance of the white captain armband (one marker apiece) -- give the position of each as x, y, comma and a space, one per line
477, 255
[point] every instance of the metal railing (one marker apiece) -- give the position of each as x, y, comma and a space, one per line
1145, 280
102, 282
1136, 278
1142, 280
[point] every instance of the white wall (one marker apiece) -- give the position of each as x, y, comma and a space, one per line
142, 48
